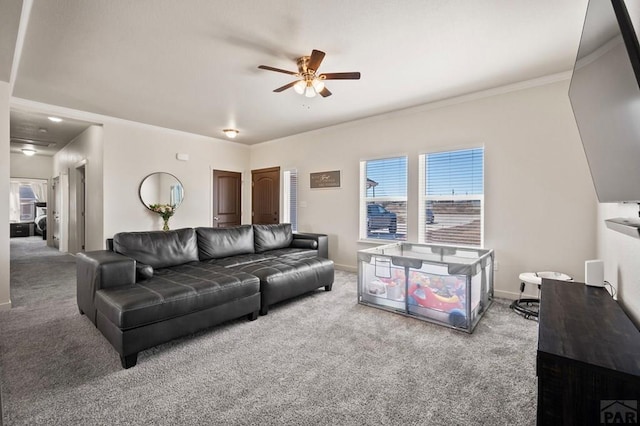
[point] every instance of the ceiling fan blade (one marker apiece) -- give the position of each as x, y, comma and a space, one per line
285, 87
341, 76
268, 68
315, 60
325, 92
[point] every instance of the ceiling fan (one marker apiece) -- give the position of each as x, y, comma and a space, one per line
309, 81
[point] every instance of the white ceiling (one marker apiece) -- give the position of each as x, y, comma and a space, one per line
192, 65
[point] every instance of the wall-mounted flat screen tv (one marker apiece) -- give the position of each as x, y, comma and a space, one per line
605, 97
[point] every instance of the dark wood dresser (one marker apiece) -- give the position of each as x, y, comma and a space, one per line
588, 362
20, 229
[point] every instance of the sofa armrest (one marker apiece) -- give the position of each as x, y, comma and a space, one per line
322, 241
97, 270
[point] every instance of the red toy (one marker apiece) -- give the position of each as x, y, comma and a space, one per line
425, 297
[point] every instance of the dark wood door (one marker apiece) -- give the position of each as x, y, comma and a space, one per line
265, 195
227, 199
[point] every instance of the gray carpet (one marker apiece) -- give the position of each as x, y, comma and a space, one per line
319, 359
39, 273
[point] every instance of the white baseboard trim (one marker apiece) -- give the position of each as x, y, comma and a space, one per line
346, 268
5, 306
511, 295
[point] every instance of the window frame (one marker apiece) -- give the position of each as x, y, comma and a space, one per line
423, 197
290, 198
363, 201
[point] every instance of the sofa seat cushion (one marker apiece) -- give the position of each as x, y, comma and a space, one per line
291, 253
283, 278
243, 259
173, 292
159, 249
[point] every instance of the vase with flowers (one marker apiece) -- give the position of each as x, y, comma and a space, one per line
165, 211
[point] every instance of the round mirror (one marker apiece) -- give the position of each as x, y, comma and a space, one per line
161, 188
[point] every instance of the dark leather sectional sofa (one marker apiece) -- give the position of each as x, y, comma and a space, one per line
151, 287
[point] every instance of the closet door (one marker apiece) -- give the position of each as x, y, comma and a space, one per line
227, 199
265, 196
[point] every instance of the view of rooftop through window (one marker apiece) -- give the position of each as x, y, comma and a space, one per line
451, 196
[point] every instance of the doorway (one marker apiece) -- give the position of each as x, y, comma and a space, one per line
227, 199
80, 208
265, 196
55, 211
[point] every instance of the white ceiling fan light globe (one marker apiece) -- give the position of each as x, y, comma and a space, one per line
309, 91
318, 84
299, 87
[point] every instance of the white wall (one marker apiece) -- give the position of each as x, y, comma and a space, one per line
540, 205
133, 150
5, 298
35, 167
621, 255
87, 149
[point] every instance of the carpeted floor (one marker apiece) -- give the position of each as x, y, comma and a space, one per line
319, 359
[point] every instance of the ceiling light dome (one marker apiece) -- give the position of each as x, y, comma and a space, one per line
28, 151
231, 133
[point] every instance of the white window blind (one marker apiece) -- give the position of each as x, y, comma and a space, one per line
290, 199
452, 197
383, 199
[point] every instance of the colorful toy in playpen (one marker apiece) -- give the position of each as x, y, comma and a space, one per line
444, 294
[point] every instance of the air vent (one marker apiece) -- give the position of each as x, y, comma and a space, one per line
33, 142
628, 226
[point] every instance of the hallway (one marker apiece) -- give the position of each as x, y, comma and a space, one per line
39, 273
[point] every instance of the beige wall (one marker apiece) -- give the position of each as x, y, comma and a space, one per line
5, 301
621, 255
133, 150
540, 205
35, 167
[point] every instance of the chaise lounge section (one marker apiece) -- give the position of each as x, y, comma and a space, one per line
152, 287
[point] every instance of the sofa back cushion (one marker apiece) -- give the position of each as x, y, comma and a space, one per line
216, 243
160, 249
271, 237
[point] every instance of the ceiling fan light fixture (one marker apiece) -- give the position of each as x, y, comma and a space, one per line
318, 84
231, 133
309, 92
309, 82
299, 87
28, 151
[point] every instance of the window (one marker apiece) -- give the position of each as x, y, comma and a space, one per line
22, 198
383, 199
27, 204
290, 198
451, 197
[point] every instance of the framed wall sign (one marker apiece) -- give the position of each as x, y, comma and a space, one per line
325, 179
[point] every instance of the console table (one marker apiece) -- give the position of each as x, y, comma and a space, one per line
588, 361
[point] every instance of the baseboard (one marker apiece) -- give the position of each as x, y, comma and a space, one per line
346, 268
5, 306
513, 296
